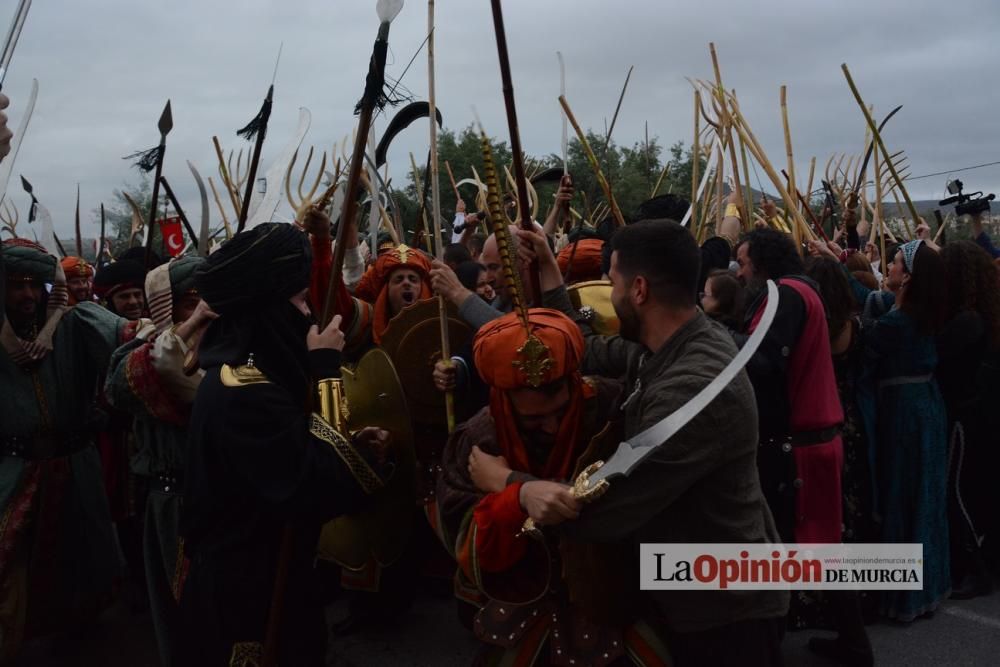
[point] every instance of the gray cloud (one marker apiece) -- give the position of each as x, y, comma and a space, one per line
106, 67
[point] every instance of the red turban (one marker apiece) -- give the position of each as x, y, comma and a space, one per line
76, 267
507, 358
374, 284
586, 261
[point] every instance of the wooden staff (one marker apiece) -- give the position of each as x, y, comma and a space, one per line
805, 207
877, 211
809, 183
796, 232
422, 218
696, 159
451, 177
877, 138
758, 153
222, 211
727, 123
594, 165
449, 398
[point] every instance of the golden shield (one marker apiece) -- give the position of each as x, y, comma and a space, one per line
593, 299
375, 398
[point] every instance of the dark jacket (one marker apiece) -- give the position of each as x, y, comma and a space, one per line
702, 486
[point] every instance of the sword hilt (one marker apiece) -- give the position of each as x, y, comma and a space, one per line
582, 490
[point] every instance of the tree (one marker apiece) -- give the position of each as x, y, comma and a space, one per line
119, 217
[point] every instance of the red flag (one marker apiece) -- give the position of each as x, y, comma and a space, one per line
173, 235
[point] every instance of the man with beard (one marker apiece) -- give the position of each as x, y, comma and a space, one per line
119, 287
263, 469
79, 280
58, 557
800, 416
702, 487
499, 468
797, 402
147, 380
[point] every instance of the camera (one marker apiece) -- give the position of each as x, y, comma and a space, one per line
966, 204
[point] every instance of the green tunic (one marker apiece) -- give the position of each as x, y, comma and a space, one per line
55, 517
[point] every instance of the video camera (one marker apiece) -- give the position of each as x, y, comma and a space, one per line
966, 204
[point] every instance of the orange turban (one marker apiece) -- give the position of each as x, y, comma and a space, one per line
508, 359
374, 284
586, 261
76, 267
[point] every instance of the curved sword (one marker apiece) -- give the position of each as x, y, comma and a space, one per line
48, 238
7, 167
276, 174
633, 451
704, 179
203, 230
593, 482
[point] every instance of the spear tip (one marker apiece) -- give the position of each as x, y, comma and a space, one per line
166, 122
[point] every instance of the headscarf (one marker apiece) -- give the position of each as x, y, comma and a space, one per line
505, 363
909, 250
248, 282
25, 260
167, 283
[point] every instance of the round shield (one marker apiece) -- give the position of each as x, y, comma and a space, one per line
593, 299
413, 342
375, 398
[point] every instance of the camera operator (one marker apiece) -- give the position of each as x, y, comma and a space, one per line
980, 236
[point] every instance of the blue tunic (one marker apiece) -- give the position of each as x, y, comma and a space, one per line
905, 414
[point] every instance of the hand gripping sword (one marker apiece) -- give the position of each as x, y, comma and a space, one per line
593, 482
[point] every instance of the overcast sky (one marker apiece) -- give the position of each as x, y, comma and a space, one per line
106, 67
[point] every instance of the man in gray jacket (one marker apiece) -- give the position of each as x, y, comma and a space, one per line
702, 486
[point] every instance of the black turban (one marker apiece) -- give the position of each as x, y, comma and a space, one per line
263, 265
663, 207
114, 277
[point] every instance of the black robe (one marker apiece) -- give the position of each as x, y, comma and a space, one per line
255, 466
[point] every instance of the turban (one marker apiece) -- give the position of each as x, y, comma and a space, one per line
508, 359
76, 267
266, 264
117, 276
586, 261
25, 259
374, 284
168, 282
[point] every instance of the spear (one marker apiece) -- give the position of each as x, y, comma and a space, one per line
256, 128
147, 161
373, 97
523, 205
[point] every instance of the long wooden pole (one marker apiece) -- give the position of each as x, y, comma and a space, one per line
877, 138
793, 187
594, 164
449, 398
523, 205
695, 159
727, 124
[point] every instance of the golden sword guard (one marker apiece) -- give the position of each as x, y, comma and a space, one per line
581, 490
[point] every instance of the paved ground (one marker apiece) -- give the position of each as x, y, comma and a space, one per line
961, 633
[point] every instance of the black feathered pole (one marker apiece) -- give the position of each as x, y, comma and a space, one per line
257, 128
148, 161
373, 98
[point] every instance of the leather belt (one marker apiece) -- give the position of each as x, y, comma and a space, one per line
41, 446
804, 438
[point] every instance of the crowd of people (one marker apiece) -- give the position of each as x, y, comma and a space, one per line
176, 433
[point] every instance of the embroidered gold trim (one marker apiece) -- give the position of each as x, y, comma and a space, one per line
246, 654
362, 472
238, 376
